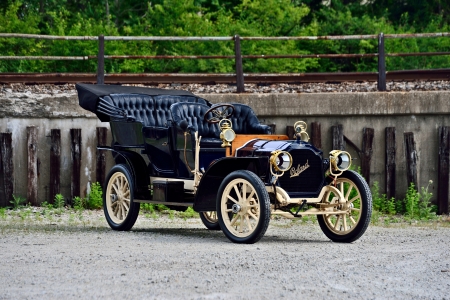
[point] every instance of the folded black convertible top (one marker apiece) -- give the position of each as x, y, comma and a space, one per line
88, 94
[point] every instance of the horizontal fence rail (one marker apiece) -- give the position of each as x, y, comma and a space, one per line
239, 75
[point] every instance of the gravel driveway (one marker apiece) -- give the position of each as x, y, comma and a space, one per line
167, 258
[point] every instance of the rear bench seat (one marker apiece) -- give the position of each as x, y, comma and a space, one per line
149, 110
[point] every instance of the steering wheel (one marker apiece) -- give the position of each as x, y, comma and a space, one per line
219, 111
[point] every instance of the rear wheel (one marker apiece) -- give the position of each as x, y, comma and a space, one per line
120, 209
209, 219
243, 207
357, 209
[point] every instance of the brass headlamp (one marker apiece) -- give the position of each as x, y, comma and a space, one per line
340, 160
281, 161
227, 135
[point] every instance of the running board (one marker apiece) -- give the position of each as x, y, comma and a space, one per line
164, 202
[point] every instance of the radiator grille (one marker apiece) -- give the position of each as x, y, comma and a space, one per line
309, 168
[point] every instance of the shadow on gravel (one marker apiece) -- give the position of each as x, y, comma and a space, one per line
219, 236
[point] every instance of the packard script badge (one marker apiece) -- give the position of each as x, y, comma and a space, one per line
299, 169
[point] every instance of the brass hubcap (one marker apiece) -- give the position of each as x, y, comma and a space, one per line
343, 224
118, 197
240, 208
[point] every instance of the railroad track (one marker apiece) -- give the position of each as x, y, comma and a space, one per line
204, 78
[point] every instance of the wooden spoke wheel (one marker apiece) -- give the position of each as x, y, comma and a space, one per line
209, 219
243, 207
355, 211
120, 210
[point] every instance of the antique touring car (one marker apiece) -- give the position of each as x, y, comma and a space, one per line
174, 148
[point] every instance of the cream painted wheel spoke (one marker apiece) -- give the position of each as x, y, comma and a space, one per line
241, 230
353, 220
348, 192
250, 197
338, 218
344, 222
234, 220
248, 223
252, 215
353, 199
238, 193
232, 199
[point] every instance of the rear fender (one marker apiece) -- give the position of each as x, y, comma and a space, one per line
205, 198
138, 168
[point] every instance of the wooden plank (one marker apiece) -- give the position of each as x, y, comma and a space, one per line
101, 155
32, 187
55, 164
290, 132
337, 132
316, 135
367, 151
411, 158
443, 169
7, 169
75, 141
391, 148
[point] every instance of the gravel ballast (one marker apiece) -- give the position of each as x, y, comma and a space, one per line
339, 87
172, 258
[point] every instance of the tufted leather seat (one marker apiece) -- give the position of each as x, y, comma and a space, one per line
245, 121
149, 110
193, 114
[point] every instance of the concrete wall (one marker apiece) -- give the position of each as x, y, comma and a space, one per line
418, 112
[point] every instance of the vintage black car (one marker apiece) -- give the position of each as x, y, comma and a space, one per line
175, 148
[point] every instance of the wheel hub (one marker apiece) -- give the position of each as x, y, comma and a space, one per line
236, 208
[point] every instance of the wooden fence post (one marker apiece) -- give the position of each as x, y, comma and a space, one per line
101, 156
381, 64
367, 151
411, 158
290, 132
443, 169
75, 138
238, 63
338, 137
391, 149
32, 187
6, 158
316, 135
101, 60
55, 163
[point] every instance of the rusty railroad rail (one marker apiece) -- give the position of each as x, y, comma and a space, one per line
239, 77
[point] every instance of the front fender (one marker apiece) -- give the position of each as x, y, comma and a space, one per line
205, 198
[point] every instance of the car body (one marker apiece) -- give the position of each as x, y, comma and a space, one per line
175, 148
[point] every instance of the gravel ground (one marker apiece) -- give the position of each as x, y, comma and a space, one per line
164, 258
397, 86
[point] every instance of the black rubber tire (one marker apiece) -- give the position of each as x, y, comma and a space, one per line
264, 207
133, 212
366, 211
208, 224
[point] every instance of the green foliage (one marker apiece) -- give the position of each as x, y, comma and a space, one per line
79, 203
188, 213
94, 200
59, 201
415, 206
17, 202
380, 202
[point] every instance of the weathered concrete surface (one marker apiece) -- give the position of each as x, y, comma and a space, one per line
418, 112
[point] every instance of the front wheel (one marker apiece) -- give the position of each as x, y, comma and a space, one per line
356, 210
243, 207
120, 209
